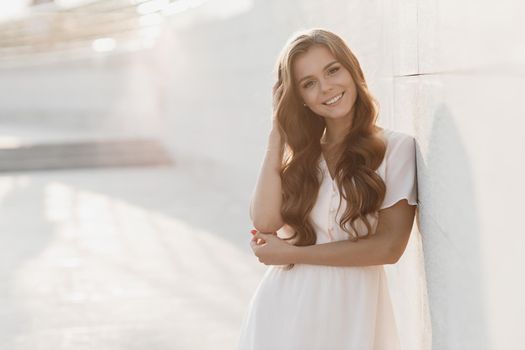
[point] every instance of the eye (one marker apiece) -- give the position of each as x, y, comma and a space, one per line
333, 70
308, 84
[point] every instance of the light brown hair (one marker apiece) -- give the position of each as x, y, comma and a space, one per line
362, 149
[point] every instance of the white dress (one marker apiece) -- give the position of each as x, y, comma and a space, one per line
319, 307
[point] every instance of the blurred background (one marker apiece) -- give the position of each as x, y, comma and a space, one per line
132, 132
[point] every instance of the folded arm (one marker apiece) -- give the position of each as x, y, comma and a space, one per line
384, 247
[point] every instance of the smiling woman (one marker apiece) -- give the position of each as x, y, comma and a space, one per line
340, 192
323, 88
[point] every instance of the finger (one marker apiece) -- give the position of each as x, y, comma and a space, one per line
261, 235
253, 232
256, 243
274, 233
257, 240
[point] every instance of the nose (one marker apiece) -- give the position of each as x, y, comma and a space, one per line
325, 86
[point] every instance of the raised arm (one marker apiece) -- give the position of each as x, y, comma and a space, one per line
265, 206
384, 247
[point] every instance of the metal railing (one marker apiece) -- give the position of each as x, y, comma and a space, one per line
51, 32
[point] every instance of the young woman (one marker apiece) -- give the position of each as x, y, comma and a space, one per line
335, 200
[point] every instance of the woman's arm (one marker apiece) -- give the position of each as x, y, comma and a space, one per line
265, 206
384, 247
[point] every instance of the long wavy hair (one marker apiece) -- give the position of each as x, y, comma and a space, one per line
361, 151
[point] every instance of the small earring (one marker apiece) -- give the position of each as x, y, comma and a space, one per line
304, 104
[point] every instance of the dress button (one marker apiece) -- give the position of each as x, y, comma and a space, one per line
332, 210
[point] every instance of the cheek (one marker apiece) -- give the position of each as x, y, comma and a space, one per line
347, 80
310, 96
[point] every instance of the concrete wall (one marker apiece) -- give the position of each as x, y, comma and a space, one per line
468, 122
451, 74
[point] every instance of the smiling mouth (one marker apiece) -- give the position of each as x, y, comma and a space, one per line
334, 100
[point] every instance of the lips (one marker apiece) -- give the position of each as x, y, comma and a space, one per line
334, 97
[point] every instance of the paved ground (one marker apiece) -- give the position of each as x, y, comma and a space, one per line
129, 258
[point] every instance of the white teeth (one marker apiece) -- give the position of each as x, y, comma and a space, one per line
334, 100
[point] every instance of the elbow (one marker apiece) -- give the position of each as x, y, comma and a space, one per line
392, 259
264, 221
266, 228
268, 225
394, 254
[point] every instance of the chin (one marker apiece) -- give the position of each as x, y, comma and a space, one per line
338, 114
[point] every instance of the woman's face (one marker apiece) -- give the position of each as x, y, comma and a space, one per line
324, 84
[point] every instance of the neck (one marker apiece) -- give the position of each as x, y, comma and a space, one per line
336, 130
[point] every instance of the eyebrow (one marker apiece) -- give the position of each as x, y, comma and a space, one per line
325, 67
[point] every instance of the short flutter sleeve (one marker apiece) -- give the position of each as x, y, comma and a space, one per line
400, 170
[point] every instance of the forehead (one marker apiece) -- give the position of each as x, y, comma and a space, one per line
312, 61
